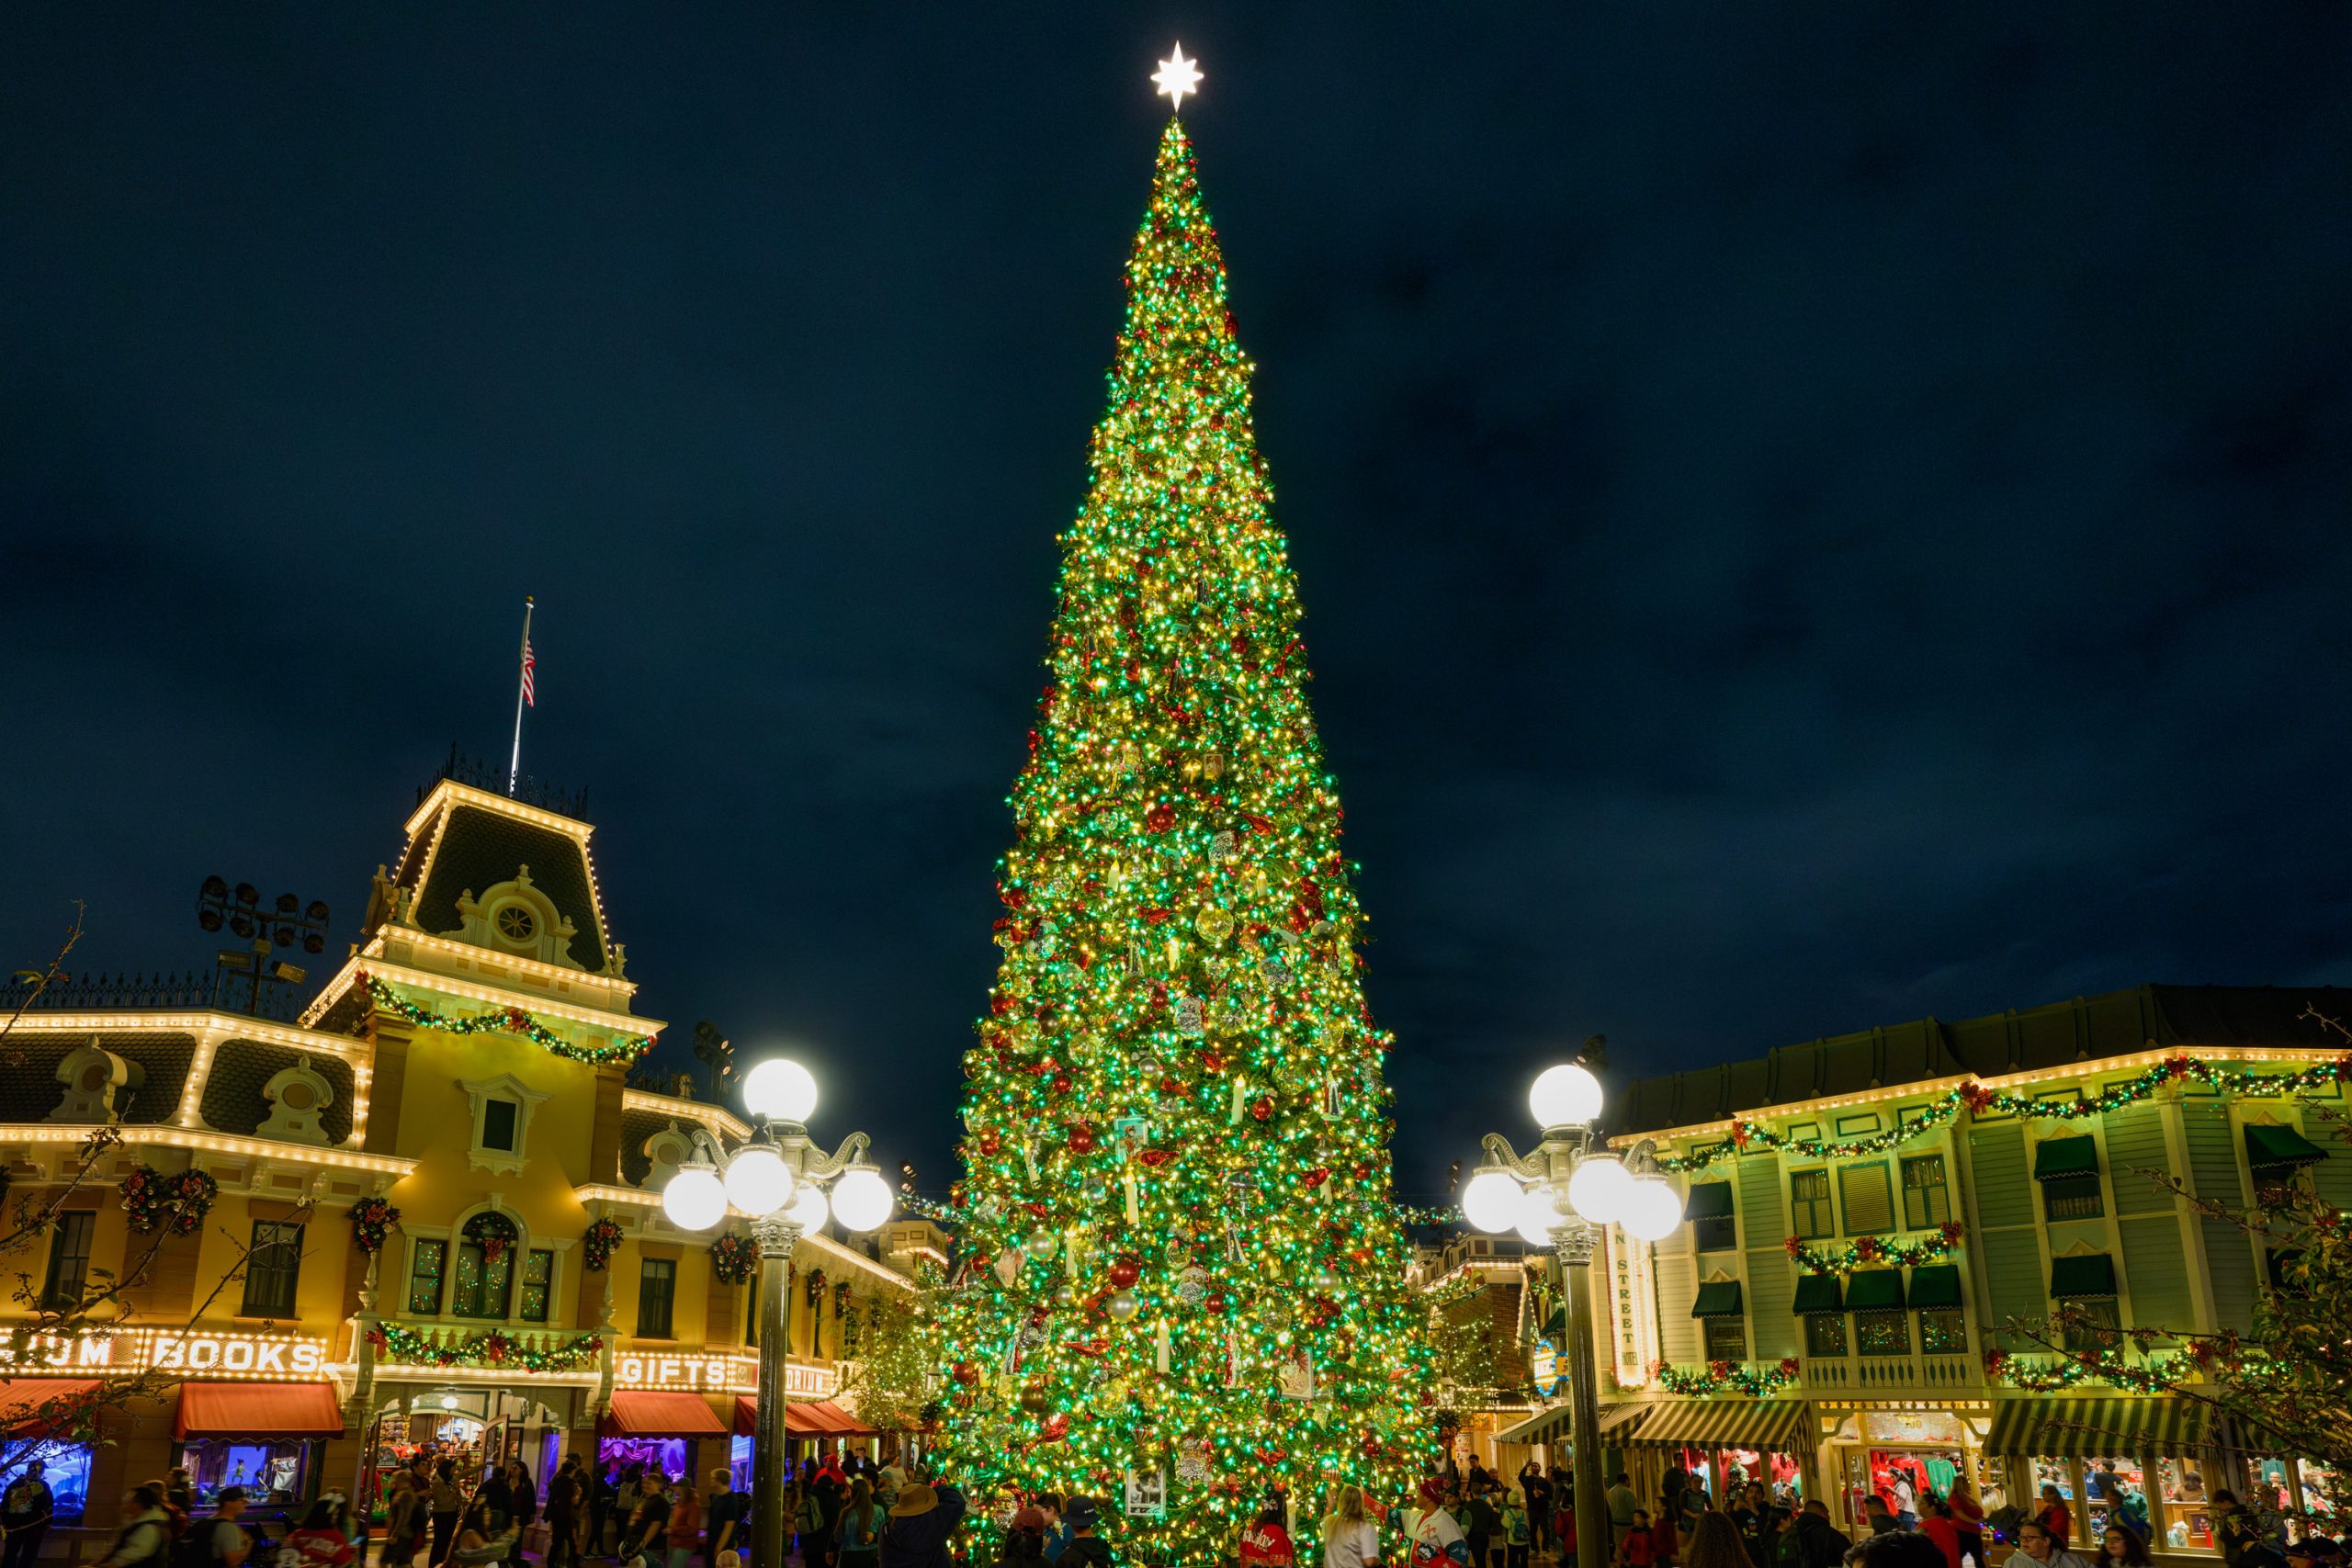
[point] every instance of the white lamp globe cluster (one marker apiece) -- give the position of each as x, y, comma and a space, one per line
759, 1179
1600, 1189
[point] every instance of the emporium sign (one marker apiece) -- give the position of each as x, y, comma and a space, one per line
715, 1374
182, 1354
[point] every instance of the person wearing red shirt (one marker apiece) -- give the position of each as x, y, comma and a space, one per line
1639, 1548
1266, 1544
1940, 1528
319, 1544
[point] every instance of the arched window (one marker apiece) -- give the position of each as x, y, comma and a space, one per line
484, 1277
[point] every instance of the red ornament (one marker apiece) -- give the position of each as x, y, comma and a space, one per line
1081, 1138
1215, 1302
1262, 1109
1125, 1269
966, 1373
1061, 1083
1318, 1176
1155, 1158
1212, 1061
1160, 818
1167, 1084
990, 1142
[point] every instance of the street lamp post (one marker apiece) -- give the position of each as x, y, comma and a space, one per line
778, 1179
1560, 1196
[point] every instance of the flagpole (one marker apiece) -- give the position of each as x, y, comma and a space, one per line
514, 763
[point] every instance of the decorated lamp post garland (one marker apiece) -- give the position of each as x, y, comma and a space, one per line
1871, 1251
177, 1202
403, 1345
372, 1220
1727, 1377
596, 1246
734, 1258
507, 1021
1977, 1099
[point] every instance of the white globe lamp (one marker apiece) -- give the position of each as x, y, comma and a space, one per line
807, 1209
1538, 1211
695, 1199
758, 1181
1491, 1200
1598, 1189
1652, 1209
1564, 1096
862, 1199
780, 1090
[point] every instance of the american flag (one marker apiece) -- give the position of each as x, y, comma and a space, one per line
530, 698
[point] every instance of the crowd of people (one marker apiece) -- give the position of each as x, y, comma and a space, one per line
851, 1512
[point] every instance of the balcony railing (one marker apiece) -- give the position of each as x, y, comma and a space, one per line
1894, 1371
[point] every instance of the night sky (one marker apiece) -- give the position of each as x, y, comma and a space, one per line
1809, 516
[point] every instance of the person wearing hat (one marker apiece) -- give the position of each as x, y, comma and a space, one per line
1437, 1541
922, 1520
1086, 1549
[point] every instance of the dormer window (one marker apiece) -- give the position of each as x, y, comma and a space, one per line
501, 1122
517, 918
516, 924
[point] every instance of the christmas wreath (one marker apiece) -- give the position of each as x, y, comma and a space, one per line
596, 1247
733, 1259
816, 1286
372, 1220
1872, 1250
404, 1346
155, 1202
493, 1232
841, 1297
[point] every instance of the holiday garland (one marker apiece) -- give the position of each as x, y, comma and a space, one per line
155, 1202
372, 1220
733, 1259
404, 1346
596, 1247
1871, 1251
1979, 1100
507, 1021
2087, 1366
1727, 1377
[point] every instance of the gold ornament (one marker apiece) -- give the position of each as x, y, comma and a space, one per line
1033, 1396
1215, 923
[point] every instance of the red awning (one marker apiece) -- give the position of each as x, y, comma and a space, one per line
258, 1410
803, 1418
23, 1400
644, 1412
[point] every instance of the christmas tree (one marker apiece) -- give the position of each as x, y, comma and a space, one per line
1181, 1285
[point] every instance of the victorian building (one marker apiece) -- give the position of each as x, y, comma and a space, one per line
433, 1200
1869, 1218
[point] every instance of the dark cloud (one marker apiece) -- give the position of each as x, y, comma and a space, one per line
1808, 516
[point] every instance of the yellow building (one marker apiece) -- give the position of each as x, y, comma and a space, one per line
466, 1065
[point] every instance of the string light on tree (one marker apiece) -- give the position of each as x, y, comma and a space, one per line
1182, 1272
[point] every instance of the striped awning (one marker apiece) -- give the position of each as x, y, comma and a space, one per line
2078, 1428
1552, 1426
1771, 1424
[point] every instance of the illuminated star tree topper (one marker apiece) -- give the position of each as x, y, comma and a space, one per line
1176, 77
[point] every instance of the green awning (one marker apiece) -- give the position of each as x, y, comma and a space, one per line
1876, 1290
1935, 1287
1720, 1299
2274, 1147
2059, 1427
1708, 1200
1817, 1295
2086, 1274
2066, 1157
1555, 1327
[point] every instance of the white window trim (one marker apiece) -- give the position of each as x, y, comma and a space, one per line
479, 1094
